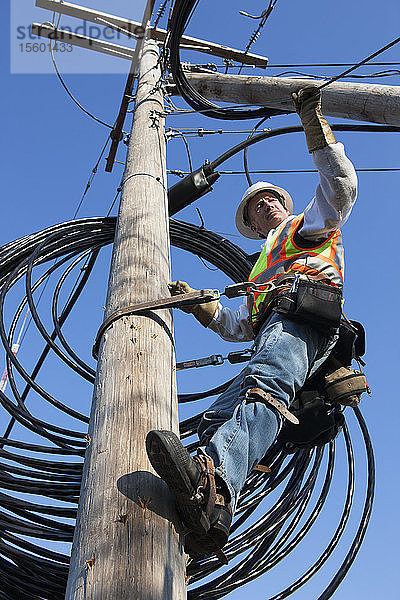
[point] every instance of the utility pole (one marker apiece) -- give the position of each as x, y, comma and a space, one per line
358, 101
125, 544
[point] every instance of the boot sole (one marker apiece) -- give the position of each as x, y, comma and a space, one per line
200, 546
170, 460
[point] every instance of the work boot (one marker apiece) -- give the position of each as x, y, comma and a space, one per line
191, 480
200, 546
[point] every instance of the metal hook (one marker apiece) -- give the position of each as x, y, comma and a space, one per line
245, 14
202, 226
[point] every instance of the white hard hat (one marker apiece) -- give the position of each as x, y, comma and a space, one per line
241, 222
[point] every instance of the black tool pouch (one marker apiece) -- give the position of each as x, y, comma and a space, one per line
318, 423
319, 304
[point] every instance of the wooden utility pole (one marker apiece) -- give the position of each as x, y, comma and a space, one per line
125, 545
361, 102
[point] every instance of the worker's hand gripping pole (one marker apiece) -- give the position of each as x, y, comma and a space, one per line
204, 313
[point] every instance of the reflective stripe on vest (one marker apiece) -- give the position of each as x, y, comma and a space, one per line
281, 255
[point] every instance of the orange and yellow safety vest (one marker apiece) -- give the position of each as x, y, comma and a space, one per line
281, 254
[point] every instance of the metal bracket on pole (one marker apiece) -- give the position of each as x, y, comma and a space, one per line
116, 134
134, 27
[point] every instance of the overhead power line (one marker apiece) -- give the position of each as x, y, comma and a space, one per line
285, 66
362, 62
180, 173
263, 19
91, 177
378, 74
70, 93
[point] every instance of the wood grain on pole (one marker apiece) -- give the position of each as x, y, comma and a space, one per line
357, 101
125, 544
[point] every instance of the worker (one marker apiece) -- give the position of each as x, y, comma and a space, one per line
293, 317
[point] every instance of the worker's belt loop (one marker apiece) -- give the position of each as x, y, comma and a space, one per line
270, 290
258, 395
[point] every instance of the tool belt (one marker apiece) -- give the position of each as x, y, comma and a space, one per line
306, 299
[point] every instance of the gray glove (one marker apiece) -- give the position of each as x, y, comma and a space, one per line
204, 313
318, 133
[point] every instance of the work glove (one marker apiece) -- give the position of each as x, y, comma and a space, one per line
204, 313
318, 133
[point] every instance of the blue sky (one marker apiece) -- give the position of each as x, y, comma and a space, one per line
49, 148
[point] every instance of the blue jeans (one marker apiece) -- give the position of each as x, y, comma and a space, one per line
237, 434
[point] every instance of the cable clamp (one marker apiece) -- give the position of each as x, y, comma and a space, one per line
215, 359
239, 356
239, 289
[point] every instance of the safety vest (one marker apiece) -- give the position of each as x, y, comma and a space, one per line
282, 255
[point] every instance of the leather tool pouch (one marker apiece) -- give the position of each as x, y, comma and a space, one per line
345, 386
318, 424
319, 304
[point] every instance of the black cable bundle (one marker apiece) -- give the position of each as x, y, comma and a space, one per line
30, 571
180, 16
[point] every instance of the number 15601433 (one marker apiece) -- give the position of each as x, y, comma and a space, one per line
45, 47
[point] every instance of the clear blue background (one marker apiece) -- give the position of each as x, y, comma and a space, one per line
49, 148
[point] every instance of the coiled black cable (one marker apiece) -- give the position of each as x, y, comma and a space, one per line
35, 572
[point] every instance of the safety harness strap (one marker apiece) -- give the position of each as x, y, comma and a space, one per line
258, 395
196, 297
207, 465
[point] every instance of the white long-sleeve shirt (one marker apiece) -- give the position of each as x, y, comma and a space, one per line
328, 210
